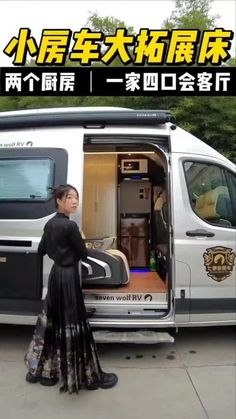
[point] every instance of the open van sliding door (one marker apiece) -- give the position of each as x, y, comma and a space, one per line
205, 238
121, 301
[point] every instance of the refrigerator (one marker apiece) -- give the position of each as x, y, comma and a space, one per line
135, 197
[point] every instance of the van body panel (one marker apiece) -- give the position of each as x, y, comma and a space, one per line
185, 143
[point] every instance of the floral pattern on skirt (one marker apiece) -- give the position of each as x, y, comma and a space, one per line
62, 345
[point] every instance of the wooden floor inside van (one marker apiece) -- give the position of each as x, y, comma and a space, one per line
139, 282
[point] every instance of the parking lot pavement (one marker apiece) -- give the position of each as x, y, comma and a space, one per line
193, 378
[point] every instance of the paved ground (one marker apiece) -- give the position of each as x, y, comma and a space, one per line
194, 378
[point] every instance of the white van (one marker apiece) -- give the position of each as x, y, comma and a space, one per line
157, 210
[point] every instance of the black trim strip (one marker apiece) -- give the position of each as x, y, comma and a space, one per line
20, 306
205, 305
182, 306
16, 243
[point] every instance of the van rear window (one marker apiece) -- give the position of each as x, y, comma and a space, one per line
26, 179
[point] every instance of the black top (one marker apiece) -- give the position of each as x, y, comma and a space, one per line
62, 241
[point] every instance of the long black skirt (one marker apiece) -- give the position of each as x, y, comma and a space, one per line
62, 345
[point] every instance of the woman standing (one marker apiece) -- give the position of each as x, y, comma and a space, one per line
62, 346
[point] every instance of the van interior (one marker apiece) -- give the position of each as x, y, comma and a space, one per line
125, 215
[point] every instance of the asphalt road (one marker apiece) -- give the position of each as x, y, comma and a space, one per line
193, 378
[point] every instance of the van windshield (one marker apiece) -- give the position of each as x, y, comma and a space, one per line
26, 179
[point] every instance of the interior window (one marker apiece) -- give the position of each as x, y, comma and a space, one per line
211, 190
26, 179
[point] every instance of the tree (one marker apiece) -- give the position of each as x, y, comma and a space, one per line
191, 14
212, 119
107, 25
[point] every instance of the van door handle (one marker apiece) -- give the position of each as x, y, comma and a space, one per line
199, 233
